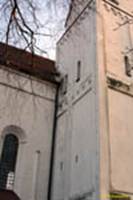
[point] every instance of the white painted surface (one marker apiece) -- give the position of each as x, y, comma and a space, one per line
35, 174
32, 110
76, 144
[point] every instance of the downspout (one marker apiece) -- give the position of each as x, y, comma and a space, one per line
53, 146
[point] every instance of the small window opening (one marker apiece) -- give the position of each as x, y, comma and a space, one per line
78, 71
64, 84
127, 66
8, 159
76, 158
61, 166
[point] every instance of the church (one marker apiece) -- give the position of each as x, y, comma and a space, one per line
28, 88
66, 126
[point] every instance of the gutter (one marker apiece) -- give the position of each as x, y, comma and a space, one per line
53, 146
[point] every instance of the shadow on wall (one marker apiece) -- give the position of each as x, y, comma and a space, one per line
8, 195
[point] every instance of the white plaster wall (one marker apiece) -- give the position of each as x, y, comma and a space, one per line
83, 146
31, 109
78, 43
121, 140
76, 144
76, 7
118, 37
116, 40
59, 173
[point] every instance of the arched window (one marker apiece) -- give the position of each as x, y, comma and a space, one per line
8, 158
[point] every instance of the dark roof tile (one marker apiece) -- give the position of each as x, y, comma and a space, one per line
8, 195
28, 63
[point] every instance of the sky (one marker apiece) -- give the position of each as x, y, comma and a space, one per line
51, 15
56, 20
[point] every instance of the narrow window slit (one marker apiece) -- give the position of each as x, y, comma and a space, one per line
78, 71
127, 66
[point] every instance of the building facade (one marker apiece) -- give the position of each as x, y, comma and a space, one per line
71, 139
94, 132
27, 106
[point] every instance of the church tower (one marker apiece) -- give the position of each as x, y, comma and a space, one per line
93, 158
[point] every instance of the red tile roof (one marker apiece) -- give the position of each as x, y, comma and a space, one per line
25, 62
8, 195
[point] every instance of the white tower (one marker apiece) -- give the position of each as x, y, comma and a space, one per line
94, 133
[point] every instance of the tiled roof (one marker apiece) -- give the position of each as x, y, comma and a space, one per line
8, 195
28, 63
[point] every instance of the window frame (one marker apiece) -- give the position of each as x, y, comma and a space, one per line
7, 160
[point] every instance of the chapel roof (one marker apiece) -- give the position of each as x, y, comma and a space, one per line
28, 63
8, 195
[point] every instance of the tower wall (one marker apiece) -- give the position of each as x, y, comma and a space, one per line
118, 38
76, 162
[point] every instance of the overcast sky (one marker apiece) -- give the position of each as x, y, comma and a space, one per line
51, 15
56, 19
56, 25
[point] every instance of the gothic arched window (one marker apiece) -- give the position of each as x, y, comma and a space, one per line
8, 158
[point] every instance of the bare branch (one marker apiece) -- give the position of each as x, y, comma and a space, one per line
22, 22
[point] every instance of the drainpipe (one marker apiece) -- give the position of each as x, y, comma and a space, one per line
53, 146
